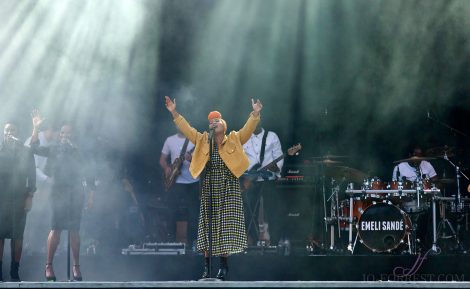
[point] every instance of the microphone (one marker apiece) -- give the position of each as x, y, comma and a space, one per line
211, 132
70, 143
12, 138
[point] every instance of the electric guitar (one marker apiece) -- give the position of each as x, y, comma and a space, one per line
176, 168
252, 175
264, 172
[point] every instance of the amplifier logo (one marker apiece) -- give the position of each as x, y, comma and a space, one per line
382, 225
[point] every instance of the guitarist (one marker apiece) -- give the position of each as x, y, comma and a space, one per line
262, 149
262, 155
183, 194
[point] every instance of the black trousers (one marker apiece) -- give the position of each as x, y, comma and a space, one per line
183, 204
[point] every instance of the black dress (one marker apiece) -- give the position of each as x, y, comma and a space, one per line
17, 180
67, 196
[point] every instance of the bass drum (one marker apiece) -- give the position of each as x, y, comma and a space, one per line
383, 227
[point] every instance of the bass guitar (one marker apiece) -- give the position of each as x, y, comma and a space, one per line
176, 167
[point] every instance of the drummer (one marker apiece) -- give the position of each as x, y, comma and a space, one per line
414, 167
410, 170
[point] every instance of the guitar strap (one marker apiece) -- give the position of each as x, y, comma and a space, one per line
263, 145
185, 146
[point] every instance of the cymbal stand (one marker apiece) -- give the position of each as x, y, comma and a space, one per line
324, 203
351, 246
334, 212
332, 241
335, 193
458, 173
442, 226
434, 246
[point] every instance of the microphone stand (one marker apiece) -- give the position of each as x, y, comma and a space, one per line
211, 143
84, 186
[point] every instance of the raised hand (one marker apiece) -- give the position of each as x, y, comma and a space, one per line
170, 105
36, 118
257, 106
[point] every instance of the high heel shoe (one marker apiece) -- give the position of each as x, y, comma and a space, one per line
77, 277
51, 278
14, 275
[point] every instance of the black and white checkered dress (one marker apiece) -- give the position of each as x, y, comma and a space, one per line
228, 221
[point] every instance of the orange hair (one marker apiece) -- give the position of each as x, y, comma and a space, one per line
214, 114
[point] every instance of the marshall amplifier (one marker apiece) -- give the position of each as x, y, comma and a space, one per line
297, 174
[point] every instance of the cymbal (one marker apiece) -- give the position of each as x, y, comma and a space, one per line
414, 159
328, 156
348, 173
327, 162
441, 151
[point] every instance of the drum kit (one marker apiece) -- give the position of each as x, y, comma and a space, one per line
383, 216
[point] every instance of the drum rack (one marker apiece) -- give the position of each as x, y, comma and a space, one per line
385, 195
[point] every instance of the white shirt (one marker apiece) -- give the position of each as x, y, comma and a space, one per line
172, 147
272, 151
409, 172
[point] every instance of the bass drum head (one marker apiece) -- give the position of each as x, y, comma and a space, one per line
383, 227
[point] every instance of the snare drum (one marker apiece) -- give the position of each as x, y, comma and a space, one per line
383, 227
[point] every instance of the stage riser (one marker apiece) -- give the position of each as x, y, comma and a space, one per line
255, 268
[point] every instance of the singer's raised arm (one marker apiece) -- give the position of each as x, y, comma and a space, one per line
183, 125
245, 132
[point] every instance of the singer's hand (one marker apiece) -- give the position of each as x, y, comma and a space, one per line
170, 105
257, 106
36, 118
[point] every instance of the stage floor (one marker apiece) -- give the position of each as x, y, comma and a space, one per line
330, 269
239, 284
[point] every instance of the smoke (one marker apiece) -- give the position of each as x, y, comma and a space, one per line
79, 62
89, 63
376, 67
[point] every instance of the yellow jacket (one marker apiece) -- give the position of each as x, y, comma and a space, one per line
231, 149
